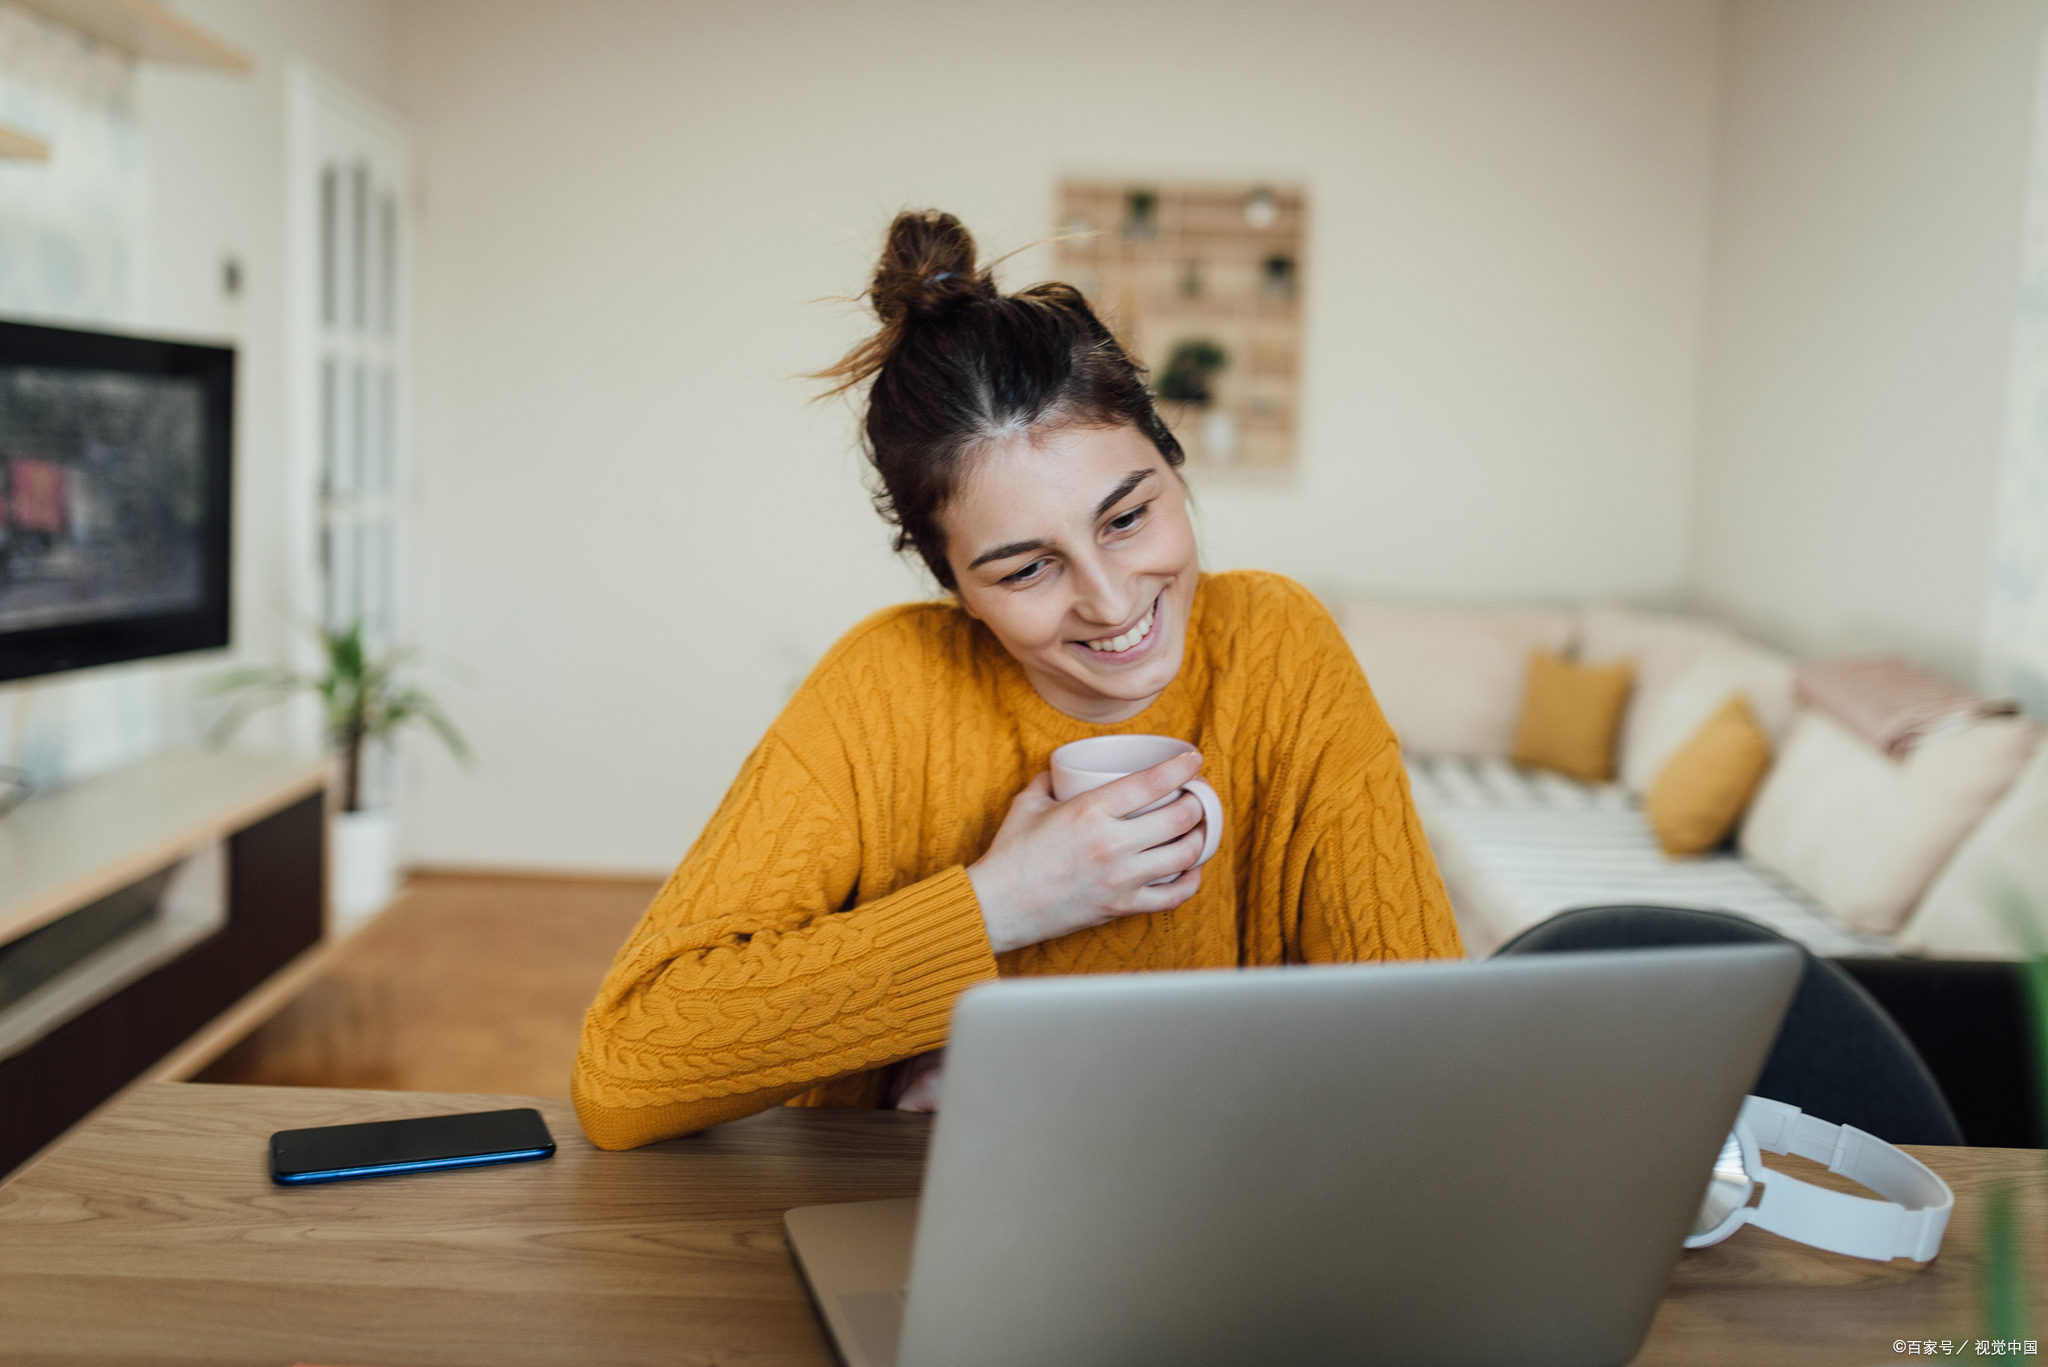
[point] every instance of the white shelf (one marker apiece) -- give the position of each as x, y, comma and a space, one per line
144, 29
63, 850
194, 906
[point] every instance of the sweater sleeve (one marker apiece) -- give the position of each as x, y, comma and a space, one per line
1368, 886
750, 979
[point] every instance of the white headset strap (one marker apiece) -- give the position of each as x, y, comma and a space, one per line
1908, 1223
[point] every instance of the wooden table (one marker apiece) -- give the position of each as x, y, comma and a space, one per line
153, 1234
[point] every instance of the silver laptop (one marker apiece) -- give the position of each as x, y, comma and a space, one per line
1452, 1164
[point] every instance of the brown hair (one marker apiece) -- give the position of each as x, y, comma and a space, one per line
958, 364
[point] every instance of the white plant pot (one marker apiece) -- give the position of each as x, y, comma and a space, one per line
1219, 436
362, 866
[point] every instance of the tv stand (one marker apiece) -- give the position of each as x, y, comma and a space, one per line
66, 850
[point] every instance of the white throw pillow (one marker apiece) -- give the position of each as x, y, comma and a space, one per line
1662, 647
1957, 919
1864, 834
1451, 679
1669, 716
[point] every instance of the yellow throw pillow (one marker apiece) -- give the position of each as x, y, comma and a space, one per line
1698, 796
1570, 714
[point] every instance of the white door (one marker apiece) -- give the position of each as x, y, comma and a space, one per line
349, 233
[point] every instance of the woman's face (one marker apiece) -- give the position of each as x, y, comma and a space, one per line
1074, 547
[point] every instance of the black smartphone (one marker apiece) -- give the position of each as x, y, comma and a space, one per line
335, 1153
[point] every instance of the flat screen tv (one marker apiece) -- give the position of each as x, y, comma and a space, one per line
115, 461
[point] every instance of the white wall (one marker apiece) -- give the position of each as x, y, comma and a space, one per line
1868, 252
2016, 616
71, 234
198, 175
634, 533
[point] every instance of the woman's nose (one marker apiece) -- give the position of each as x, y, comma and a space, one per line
1102, 595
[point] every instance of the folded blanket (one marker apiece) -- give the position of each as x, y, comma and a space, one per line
1891, 702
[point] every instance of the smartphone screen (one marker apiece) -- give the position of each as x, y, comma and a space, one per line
333, 1153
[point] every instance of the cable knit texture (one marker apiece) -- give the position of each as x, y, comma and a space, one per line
823, 925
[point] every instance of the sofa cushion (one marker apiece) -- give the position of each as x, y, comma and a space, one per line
1570, 713
1674, 713
1664, 649
1865, 834
1450, 680
1958, 918
1699, 795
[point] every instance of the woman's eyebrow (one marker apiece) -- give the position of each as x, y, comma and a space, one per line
1005, 552
1117, 495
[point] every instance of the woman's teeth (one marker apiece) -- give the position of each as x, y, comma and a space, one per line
1130, 638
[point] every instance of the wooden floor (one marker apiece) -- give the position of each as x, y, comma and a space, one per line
466, 984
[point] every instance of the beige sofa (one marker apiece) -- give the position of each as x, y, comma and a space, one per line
1852, 853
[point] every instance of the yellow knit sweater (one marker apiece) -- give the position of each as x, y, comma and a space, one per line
823, 924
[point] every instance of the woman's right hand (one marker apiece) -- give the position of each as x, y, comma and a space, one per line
1058, 867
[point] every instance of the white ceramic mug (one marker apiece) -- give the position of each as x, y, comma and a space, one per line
1085, 765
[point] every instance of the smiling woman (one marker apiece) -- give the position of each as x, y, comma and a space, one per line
894, 839
1089, 568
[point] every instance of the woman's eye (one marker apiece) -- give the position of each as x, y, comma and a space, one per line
1126, 521
1025, 575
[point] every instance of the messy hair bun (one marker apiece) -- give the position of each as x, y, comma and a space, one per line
958, 365
927, 266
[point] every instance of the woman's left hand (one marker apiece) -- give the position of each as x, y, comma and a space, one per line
916, 1086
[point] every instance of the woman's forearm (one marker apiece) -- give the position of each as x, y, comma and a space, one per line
691, 1028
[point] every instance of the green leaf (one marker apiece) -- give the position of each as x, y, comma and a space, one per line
2002, 1284
362, 695
2002, 1295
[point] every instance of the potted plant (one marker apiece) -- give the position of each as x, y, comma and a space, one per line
365, 699
1186, 377
1185, 384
